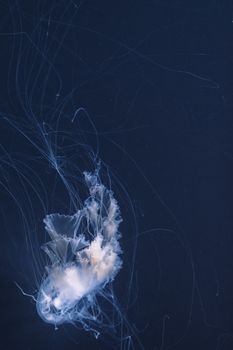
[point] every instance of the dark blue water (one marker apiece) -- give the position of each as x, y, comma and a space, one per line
147, 85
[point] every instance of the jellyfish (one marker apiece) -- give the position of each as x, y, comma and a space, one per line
83, 257
72, 279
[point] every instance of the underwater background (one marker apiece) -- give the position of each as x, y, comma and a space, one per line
148, 86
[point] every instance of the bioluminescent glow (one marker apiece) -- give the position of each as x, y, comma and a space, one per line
83, 258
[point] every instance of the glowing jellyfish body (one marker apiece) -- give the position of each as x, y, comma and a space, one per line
84, 257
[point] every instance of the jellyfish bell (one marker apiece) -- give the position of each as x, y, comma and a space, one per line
84, 256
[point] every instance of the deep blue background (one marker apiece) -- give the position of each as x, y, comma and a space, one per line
156, 80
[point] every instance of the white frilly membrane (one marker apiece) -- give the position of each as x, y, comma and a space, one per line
84, 258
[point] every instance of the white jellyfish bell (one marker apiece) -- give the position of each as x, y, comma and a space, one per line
83, 257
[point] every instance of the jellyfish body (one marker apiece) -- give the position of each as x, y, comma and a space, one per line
83, 257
